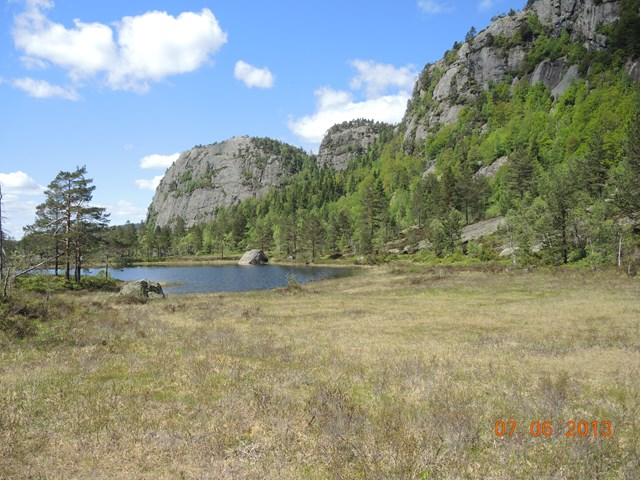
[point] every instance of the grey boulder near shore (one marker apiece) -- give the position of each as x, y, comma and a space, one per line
253, 257
143, 289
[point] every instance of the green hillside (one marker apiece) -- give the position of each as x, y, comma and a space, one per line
568, 184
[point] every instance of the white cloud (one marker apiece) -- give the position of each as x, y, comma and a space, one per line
434, 7
41, 89
253, 76
20, 196
123, 211
158, 161
137, 50
377, 78
19, 183
340, 107
381, 94
486, 4
155, 45
149, 184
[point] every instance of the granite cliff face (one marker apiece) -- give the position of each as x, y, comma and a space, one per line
216, 175
511, 49
345, 141
505, 50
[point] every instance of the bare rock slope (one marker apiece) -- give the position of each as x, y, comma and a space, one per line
217, 175
504, 51
345, 141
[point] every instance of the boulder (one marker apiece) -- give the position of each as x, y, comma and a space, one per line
491, 170
481, 229
143, 289
253, 257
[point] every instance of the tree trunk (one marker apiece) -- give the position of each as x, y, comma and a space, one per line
78, 263
68, 234
57, 262
564, 241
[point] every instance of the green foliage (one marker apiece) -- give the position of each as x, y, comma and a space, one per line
569, 187
44, 283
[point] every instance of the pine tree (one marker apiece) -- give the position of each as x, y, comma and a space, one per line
313, 231
67, 218
373, 211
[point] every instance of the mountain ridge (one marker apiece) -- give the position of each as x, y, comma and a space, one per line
528, 119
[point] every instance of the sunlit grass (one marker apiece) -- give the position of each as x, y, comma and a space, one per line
395, 372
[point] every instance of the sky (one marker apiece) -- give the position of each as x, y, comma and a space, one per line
124, 86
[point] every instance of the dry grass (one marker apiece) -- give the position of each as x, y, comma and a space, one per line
397, 372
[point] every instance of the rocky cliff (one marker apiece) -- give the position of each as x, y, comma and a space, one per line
550, 41
345, 141
526, 44
216, 175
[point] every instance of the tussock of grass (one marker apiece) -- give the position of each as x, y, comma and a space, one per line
400, 371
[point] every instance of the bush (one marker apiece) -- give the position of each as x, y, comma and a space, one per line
43, 283
19, 316
98, 283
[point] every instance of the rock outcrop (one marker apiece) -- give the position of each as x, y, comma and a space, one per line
481, 229
345, 141
253, 257
216, 175
491, 170
500, 52
142, 289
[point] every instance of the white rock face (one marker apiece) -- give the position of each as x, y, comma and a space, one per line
345, 141
485, 59
481, 229
582, 16
220, 174
570, 76
549, 72
491, 170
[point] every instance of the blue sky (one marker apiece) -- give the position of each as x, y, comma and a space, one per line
123, 85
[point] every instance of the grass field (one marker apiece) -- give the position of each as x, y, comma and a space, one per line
398, 371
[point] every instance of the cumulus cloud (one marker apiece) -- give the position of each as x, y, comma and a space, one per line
20, 196
19, 183
377, 78
253, 76
158, 161
380, 93
129, 55
123, 211
434, 7
41, 89
149, 184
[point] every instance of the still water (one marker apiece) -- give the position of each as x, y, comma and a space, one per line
223, 278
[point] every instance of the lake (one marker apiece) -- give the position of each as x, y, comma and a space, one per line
223, 278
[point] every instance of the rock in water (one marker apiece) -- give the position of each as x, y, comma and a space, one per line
143, 289
252, 258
